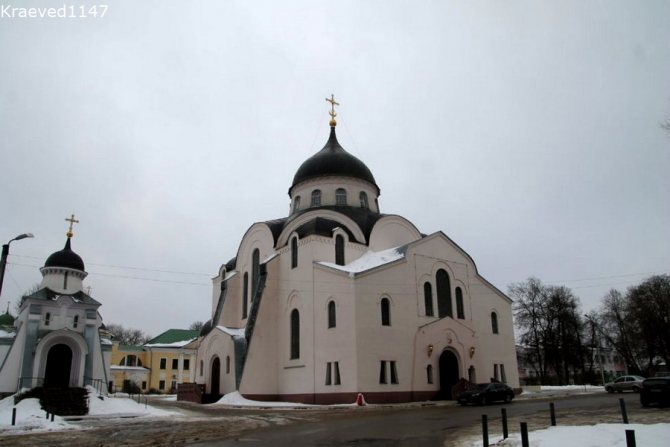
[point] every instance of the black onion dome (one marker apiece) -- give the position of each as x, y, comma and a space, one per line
333, 160
65, 258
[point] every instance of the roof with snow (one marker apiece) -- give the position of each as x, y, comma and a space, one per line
235, 332
48, 294
174, 338
370, 260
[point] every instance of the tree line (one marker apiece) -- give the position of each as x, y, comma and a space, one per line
561, 345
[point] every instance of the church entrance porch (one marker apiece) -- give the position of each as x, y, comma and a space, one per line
449, 374
58, 367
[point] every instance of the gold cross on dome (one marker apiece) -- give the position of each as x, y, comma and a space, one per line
332, 113
72, 220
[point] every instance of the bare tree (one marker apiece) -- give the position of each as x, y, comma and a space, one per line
637, 324
551, 327
196, 326
127, 336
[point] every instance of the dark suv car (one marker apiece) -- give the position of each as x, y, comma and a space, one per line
655, 390
485, 393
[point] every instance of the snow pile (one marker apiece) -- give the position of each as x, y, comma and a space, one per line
122, 406
601, 435
31, 418
572, 387
369, 260
236, 399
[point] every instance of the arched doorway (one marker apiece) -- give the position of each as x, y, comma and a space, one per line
449, 374
59, 367
215, 377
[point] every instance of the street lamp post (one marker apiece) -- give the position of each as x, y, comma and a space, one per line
5, 253
597, 340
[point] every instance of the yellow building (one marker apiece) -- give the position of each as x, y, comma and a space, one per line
128, 364
158, 365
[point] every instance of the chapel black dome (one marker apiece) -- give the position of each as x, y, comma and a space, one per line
333, 160
65, 258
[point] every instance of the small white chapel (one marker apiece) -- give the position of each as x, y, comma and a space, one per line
55, 340
339, 298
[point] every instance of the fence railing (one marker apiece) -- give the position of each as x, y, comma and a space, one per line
98, 384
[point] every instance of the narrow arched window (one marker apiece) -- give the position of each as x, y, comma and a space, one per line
75, 323
444, 307
245, 294
296, 204
494, 322
340, 196
316, 198
386, 312
339, 249
429, 373
294, 252
295, 334
227, 364
332, 318
428, 298
364, 199
65, 281
47, 319
200, 367
255, 271
460, 310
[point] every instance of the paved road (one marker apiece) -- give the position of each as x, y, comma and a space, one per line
427, 426
411, 425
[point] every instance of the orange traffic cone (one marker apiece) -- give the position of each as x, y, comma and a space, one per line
360, 400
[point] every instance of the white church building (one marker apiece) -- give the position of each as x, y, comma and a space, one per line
339, 299
55, 340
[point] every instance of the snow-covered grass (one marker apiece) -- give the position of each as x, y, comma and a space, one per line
31, 418
600, 435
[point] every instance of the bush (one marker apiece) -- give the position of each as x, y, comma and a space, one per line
130, 387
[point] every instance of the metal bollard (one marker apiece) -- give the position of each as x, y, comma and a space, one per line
485, 430
552, 412
524, 435
47, 415
630, 438
52, 417
14, 416
504, 423
624, 414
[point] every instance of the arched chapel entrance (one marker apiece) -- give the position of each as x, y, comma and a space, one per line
449, 374
215, 377
58, 367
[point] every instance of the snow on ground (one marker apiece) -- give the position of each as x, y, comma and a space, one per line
31, 418
600, 435
572, 387
236, 399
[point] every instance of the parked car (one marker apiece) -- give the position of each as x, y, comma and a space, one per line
655, 390
486, 393
625, 383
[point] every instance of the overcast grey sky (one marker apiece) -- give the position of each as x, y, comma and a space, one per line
527, 131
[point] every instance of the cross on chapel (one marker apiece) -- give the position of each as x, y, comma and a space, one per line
72, 221
332, 113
